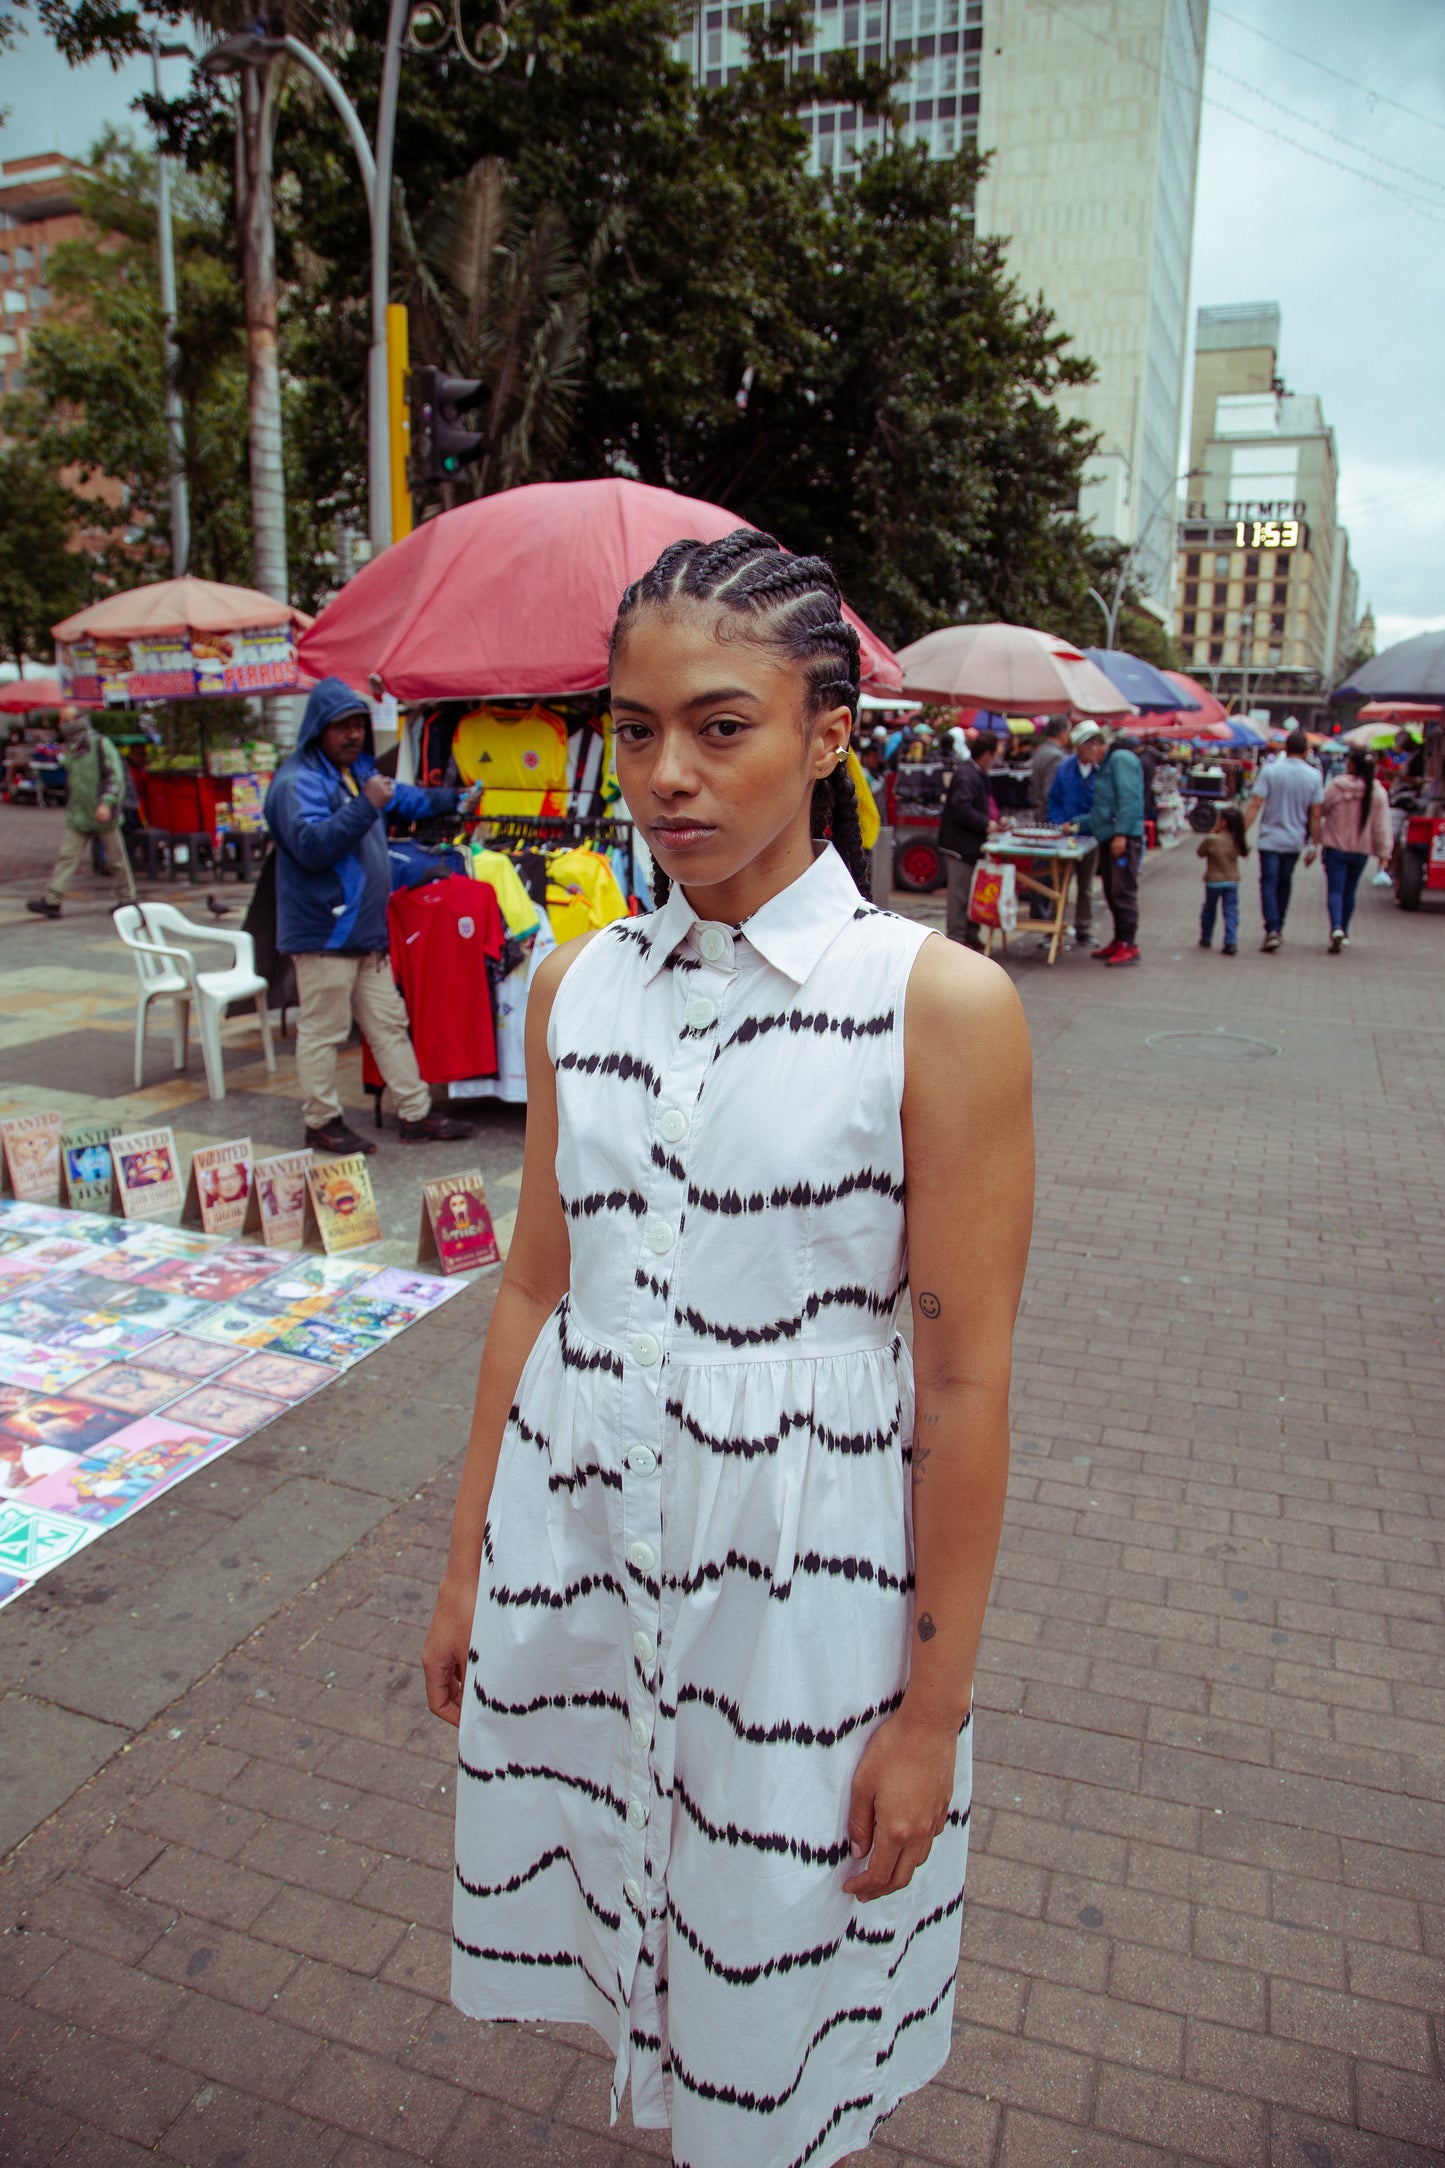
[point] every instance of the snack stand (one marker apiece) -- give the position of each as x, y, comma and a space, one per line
1045, 861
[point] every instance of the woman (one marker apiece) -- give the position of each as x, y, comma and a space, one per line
1354, 821
717, 1573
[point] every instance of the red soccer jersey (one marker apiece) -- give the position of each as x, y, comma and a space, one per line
442, 936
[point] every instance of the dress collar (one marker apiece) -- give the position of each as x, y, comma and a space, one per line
790, 931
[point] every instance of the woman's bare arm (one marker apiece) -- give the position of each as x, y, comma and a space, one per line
533, 1283
968, 1174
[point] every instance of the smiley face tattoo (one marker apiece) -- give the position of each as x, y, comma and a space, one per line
930, 1305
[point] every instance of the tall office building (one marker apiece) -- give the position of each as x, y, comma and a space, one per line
1089, 110
38, 208
1268, 599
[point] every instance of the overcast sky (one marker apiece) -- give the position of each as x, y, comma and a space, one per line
1285, 213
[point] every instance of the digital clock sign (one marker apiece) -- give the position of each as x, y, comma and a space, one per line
1267, 534
1245, 534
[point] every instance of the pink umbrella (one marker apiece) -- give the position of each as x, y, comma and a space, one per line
23, 694
515, 594
1009, 668
187, 605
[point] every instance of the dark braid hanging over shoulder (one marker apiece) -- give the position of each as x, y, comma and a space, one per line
795, 605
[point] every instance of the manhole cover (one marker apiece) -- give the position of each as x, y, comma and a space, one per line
1216, 1045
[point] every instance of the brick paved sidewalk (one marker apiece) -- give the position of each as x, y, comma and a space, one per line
1206, 1916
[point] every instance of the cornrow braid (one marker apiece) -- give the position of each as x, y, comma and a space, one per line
794, 604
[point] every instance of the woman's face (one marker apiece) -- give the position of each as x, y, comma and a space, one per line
716, 754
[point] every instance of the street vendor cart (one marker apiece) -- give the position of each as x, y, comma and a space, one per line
1045, 863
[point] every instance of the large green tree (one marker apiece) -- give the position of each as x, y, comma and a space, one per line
42, 575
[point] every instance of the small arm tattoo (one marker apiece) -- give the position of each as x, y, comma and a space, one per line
926, 1627
920, 1455
930, 1304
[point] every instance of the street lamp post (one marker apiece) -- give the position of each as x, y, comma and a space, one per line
175, 413
249, 49
1112, 610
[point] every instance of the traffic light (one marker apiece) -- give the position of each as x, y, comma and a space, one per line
440, 445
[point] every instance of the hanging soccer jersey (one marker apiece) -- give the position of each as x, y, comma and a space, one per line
518, 909
442, 937
518, 756
582, 892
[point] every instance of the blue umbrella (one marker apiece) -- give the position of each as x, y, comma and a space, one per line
1240, 733
1142, 685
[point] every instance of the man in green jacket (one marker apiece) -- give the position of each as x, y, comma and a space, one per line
96, 775
1116, 818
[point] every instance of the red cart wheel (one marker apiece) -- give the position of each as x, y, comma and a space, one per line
918, 866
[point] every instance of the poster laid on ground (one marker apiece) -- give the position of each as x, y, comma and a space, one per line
147, 1174
31, 1148
456, 1226
219, 1191
132, 1354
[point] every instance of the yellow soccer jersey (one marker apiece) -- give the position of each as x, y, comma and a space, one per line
582, 892
518, 909
518, 756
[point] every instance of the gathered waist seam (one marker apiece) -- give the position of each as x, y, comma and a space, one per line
686, 1350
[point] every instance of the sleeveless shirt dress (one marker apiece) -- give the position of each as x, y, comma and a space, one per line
696, 1595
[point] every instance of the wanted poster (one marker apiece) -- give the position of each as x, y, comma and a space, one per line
276, 1210
341, 1209
218, 1195
456, 1226
31, 1148
85, 1170
147, 1174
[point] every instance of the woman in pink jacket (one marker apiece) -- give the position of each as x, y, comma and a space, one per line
1355, 820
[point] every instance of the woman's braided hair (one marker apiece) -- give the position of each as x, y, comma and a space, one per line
793, 604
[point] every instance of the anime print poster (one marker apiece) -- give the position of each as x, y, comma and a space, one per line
456, 1226
85, 1167
31, 1148
147, 1174
278, 1199
130, 1468
219, 1192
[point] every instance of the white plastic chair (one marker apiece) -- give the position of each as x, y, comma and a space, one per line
162, 978
161, 957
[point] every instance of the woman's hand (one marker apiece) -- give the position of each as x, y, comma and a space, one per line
445, 1650
902, 1792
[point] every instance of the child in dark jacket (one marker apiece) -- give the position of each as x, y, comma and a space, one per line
1221, 851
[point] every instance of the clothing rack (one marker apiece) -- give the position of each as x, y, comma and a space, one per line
564, 831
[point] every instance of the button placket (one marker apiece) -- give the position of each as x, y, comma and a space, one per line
644, 1361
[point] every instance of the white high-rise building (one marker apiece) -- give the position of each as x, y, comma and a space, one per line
1089, 110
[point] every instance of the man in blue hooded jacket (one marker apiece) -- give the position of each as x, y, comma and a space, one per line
327, 809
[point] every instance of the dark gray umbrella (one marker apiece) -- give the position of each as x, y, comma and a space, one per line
1412, 670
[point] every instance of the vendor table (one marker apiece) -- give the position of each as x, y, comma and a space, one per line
1051, 866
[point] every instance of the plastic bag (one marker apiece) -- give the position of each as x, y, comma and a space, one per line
993, 896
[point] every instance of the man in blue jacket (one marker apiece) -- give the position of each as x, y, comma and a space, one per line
1116, 821
326, 809
1071, 794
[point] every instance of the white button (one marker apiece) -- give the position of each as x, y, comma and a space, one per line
701, 1012
642, 1648
642, 1460
641, 1555
660, 1238
646, 1349
715, 944
673, 1126
637, 1814
632, 1891
641, 1730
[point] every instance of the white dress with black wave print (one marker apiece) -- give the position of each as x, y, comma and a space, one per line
696, 1597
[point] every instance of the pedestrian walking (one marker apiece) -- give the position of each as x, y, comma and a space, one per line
96, 776
962, 832
1286, 803
326, 809
1071, 794
1354, 821
1116, 821
1221, 850
1049, 756
718, 1565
